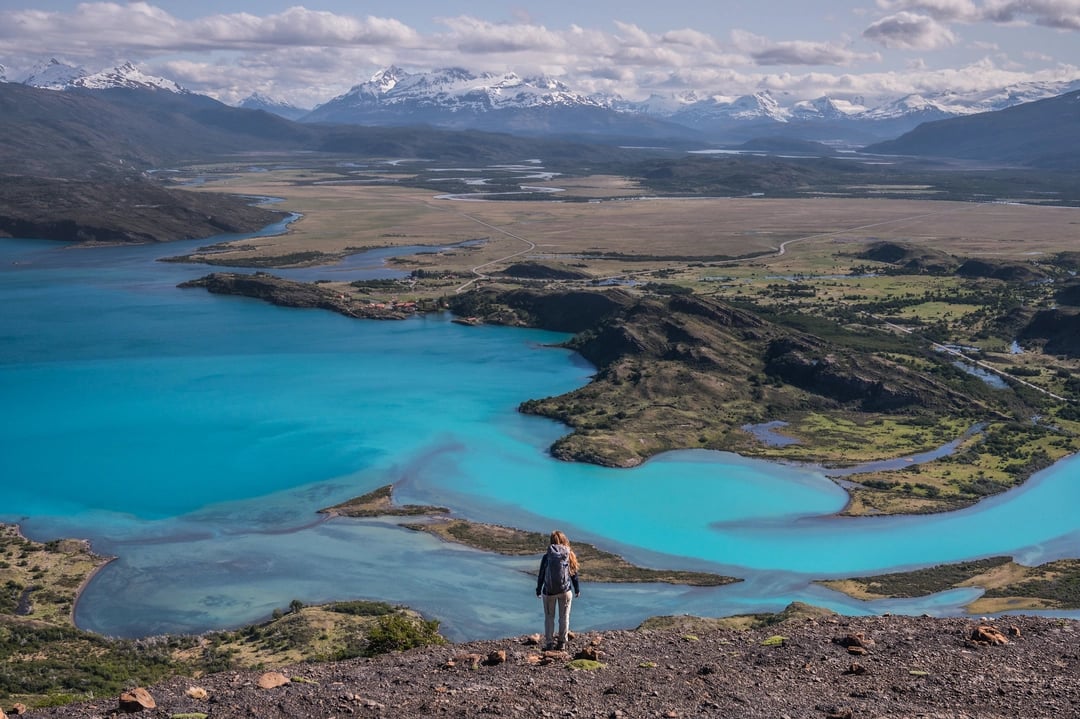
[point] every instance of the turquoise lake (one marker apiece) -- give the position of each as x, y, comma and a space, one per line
194, 437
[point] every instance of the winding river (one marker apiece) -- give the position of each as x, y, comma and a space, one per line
193, 436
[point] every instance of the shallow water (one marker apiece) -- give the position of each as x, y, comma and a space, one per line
194, 437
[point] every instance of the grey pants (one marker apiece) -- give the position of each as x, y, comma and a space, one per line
563, 601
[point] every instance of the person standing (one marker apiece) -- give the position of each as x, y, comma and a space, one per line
554, 583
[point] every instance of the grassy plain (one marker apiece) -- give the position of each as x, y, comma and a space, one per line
628, 233
1009, 587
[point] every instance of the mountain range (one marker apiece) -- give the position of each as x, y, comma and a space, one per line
1044, 133
455, 98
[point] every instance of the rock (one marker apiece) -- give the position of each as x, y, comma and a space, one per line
839, 714
18, 708
197, 693
984, 634
589, 652
920, 668
136, 700
857, 651
496, 657
1014, 631
472, 661
272, 680
855, 639
533, 640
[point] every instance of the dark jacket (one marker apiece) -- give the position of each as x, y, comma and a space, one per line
563, 551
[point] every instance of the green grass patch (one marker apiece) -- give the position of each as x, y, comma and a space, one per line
588, 665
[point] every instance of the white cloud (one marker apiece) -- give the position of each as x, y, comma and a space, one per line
937, 9
475, 36
796, 52
911, 31
309, 56
689, 38
139, 26
1058, 14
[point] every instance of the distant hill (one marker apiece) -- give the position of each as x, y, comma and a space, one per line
73, 133
70, 133
1045, 133
73, 163
787, 145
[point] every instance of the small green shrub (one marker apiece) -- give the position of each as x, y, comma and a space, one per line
55, 700
361, 608
398, 632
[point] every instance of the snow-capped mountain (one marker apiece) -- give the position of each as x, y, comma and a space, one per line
453, 90
456, 98
258, 101
53, 75
919, 107
1039, 133
825, 108
830, 118
755, 107
127, 76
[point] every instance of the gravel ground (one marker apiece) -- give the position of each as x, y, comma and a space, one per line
834, 667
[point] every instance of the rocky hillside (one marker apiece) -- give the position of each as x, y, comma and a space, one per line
685, 371
812, 665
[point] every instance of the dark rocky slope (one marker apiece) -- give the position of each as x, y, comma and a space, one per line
120, 208
288, 293
805, 668
674, 370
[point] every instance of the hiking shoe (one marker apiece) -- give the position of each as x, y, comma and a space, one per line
559, 646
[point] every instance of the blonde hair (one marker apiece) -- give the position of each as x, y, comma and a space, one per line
558, 537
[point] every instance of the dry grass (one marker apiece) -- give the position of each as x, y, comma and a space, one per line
337, 217
54, 573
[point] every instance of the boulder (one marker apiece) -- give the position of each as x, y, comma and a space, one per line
136, 700
471, 661
272, 680
855, 639
591, 652
985, 635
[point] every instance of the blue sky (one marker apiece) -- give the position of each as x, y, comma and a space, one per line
307, 53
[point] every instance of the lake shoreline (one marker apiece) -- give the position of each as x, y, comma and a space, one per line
335, 298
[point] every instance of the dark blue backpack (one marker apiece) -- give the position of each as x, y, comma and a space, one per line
557, 570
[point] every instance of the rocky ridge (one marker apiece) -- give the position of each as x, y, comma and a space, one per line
813, 666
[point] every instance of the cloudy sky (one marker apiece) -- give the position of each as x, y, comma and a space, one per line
796, 49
